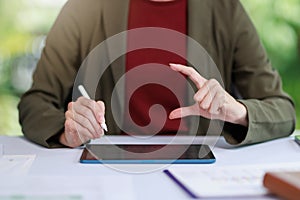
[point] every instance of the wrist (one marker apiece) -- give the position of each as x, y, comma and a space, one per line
240, 115
62, 139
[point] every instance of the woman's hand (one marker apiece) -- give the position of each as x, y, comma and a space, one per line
211, 100
83, 119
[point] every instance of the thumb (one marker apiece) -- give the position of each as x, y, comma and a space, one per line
183, 112
101, 107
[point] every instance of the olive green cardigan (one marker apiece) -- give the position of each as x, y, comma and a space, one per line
221, 26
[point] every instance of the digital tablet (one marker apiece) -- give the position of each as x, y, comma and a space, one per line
147, 154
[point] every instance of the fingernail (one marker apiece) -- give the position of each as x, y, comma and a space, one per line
171, 116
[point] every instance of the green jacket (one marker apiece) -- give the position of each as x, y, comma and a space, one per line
222, 27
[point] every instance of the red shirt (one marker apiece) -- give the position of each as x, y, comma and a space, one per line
171, 15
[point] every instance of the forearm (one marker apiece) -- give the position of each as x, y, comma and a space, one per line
41, 121
238, 114
268, 119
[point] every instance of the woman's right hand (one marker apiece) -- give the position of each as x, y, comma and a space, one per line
83, 119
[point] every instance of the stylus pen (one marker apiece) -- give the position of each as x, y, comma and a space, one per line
86, 95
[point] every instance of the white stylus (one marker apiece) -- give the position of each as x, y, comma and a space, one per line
86, 95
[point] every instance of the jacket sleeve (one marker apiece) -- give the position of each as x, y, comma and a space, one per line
41, 109
271, 112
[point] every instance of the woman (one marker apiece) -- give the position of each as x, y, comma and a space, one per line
50, 117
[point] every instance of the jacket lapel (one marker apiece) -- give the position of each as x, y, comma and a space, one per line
199, 22
115, 17
199, 16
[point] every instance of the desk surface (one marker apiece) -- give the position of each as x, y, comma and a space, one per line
115, 184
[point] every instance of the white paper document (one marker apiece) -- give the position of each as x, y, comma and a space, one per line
226, 181
15, 165
66, 187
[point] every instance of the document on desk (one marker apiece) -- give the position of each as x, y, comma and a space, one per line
225, 181
66, 187
16, 165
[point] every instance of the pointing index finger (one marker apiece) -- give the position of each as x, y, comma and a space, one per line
190, 72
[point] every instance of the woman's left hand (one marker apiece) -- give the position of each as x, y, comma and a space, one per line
211, 100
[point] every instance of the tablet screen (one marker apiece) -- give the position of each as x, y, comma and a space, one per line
147, 153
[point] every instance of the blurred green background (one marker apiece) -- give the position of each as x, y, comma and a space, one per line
25, 23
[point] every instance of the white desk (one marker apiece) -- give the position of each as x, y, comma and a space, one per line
63, 163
